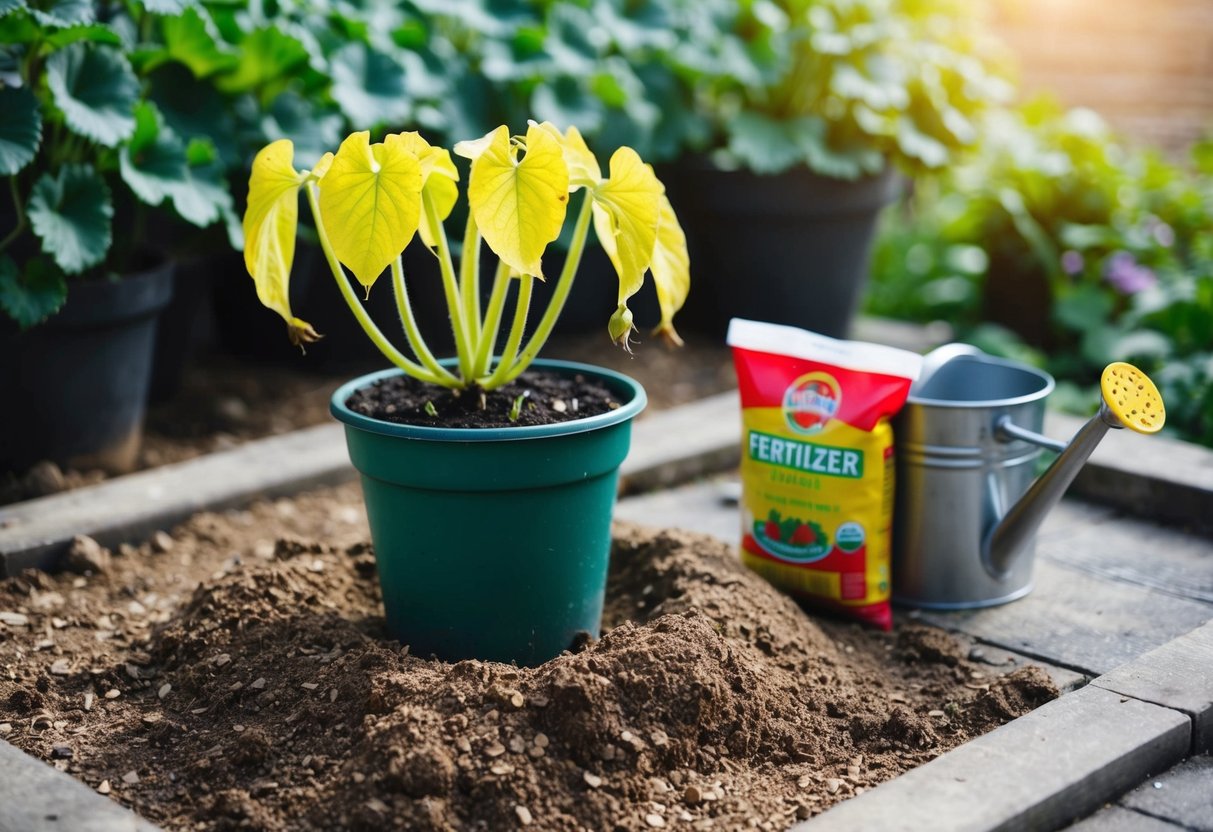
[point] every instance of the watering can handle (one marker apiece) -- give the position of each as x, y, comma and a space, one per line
1006, 431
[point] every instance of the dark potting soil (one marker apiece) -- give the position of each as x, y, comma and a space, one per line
235, 675
534, 398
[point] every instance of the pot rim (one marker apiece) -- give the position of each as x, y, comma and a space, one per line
1046, 388
626, 411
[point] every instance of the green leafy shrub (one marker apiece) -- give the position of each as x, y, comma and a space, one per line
843, 87
1120, 240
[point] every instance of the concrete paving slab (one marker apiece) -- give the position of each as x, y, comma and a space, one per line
1183, 795
38, 798
1177, 675
1119, 819
1039, 772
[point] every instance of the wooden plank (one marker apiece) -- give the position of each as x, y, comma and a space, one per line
38, 798
38, 532
1119, 819
675, 445
1040, 771
1178, 675
1183, 795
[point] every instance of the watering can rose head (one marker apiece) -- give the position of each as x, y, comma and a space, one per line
369, 201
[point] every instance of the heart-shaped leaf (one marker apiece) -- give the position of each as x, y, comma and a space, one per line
370, 202
152, 163
520, 206
269, 232
438, 178
584, 171
671, 268
369, 86
626, 208
96, 90
20, 129
33, 297
71, 214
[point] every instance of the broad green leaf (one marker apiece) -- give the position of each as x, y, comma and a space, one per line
202, 197
192, 39
370, 203
767, 145
71, 214
438, 178
91, 32
520, 206
369, 86
313, 130
671, 268
7, 6
20, 129
196, 110
626, 209
33, 297
63, 13
153, 162
265, 55
563, 101
167, 6
269, 232
96, 90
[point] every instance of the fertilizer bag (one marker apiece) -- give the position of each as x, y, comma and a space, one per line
817, 463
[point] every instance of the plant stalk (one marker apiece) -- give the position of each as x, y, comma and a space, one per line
492, 319
20, 209
504, 374
469, 280
411, 332
450, 285
368, 326
559, 295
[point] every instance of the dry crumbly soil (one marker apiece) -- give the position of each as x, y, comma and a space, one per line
223, 403
235, 675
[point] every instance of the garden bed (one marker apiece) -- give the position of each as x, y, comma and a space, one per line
236, 673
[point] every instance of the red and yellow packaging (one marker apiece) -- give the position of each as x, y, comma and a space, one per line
817, 463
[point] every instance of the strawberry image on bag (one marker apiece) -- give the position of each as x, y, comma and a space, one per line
817, 463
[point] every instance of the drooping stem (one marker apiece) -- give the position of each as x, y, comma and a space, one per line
503, 373
492, 319
463, 346
559, 295
411, 331
20, 209
364, 320
469, 280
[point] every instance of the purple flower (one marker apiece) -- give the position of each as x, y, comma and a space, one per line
1127, 275
1072, 262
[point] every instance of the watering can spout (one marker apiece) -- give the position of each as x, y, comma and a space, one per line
1129, 400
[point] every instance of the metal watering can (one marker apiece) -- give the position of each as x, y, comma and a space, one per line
968, 503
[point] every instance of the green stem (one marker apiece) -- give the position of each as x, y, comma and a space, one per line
469, 280
450, 285
368, 326
20, 209
504, 373
559, 295
492, 319
409, 321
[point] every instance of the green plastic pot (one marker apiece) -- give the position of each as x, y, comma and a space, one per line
492, 543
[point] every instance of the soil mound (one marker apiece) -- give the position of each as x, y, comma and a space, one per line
270, 699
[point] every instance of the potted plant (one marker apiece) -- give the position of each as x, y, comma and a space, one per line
85, 155
812, 108
489, 477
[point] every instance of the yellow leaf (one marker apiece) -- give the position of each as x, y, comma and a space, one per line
625, 218
671, 269
370, 203
322, 166
473, 148
438, 178
269, 230
583, 166
519, 206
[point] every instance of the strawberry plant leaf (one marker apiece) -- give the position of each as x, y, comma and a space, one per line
266, 55
20, 129
63, 13
152, 163
192, 39
202, 196
91, 32
369, 86
96, 89
7, 6
33, 297
71, 214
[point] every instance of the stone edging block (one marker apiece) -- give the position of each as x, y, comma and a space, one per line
1057, 763
38, 798
1177, 675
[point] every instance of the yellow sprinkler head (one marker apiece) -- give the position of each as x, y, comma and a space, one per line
1132, 398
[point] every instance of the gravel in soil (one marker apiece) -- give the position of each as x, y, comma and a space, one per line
223, 402
234, 674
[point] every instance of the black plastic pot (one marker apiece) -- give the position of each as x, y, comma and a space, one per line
790, 249
75, 387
